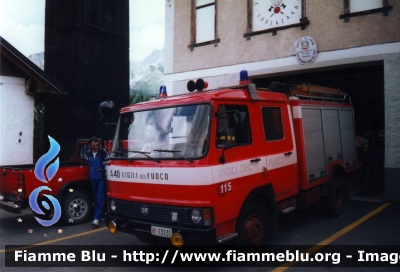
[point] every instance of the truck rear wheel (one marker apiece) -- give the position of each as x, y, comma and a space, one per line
337, 200
252, 225
76, 207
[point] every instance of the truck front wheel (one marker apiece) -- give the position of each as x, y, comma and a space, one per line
76, 207
252, 225
337, 200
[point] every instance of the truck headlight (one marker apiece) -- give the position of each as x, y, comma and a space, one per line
196, 216
202, 217
113, 207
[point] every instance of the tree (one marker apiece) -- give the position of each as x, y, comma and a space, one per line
138, 96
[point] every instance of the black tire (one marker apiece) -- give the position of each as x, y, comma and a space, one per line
76, 207
252, 225
337, 200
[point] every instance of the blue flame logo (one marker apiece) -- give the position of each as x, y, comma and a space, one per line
35, 207
50, 173
45, 159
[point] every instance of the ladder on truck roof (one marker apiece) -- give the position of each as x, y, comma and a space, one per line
310, 92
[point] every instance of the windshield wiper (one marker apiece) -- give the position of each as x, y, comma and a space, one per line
119, 152
175, 153
143, 153
134, 151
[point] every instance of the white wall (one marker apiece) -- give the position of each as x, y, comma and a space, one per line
16, 115
229, 75
169, 42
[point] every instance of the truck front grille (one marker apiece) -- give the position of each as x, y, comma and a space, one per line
156, 213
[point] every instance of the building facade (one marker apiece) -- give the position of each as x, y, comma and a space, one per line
357, 50
21, 84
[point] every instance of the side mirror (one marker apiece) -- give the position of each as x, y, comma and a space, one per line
106, 107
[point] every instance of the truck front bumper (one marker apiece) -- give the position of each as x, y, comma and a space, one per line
9, 206
142, 230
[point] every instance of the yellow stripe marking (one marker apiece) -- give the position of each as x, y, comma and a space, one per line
58, 240
335, 236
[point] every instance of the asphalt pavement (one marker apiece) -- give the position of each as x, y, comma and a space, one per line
368, 221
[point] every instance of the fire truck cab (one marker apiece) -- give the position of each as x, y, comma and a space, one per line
212, 166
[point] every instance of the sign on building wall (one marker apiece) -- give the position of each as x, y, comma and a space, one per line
306, 50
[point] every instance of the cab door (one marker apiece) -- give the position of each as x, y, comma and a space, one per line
280, 149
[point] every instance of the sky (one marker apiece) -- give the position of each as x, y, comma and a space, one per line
22, 25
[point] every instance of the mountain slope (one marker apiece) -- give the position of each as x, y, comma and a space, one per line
147, 76
38, 59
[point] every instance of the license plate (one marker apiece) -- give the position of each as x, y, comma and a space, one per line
163, 232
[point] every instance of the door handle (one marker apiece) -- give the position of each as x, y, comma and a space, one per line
288, 154
255, 160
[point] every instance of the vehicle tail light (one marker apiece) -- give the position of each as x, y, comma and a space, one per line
21, 184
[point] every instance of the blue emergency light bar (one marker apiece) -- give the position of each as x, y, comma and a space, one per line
244, 77
163, 91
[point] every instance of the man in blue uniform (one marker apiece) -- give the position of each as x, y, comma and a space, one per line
97, 159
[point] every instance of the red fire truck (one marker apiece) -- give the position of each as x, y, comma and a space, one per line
212, 166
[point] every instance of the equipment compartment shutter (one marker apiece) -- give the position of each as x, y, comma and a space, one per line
333, 144
314, 143
348, 138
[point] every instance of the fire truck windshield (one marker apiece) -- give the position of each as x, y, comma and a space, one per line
163, 133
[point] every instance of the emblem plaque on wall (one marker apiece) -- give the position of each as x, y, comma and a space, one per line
306, 50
